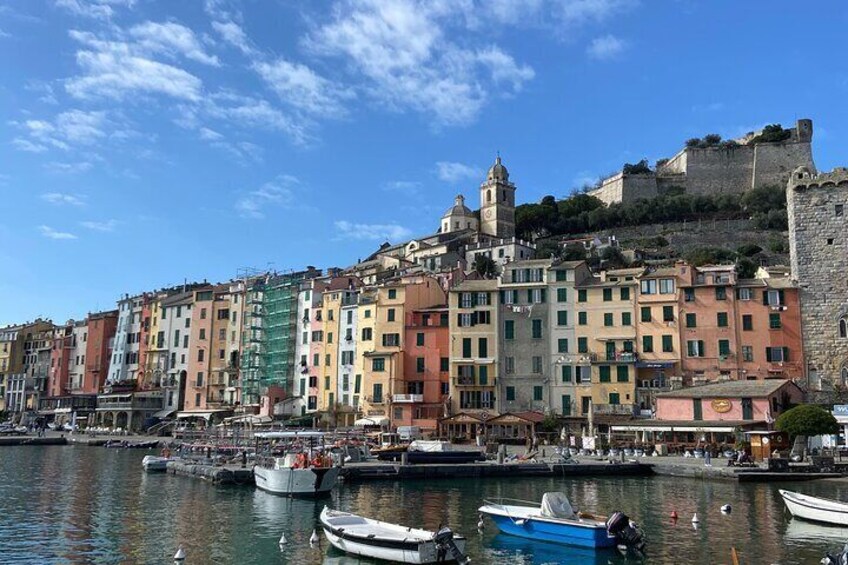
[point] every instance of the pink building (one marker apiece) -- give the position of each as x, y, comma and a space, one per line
740, 402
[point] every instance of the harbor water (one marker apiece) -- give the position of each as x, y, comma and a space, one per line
92, 505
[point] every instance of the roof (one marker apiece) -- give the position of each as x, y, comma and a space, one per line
733, 389
529, 263
459, 208
661, 272
567, 265
498, 171
178, 299
476, 284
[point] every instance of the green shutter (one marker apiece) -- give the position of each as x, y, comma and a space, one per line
562, 295
562, 345
625, 319
484, 375
622, 374
647, 344
562, 317
604, 373
510, 393
466, 347
646, 313
509, 329
566, 373
667, 343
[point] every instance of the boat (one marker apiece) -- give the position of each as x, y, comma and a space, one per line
293, 465
814, 509
555, 520
422, 452
155, 463
365, 537
124, 444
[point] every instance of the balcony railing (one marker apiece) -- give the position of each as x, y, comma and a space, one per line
623, 409
407, 398
617, 357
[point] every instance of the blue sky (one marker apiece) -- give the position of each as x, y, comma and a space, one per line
146, 142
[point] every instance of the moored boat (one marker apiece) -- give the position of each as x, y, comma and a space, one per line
294, 465
555, 520
814, 509
155, 464
422, 452
366, 537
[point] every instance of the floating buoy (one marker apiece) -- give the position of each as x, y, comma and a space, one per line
313, 539
283, 540
180, 555
674, 514
695, 518
726, 509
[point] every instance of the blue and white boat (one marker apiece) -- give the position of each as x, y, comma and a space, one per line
556, 521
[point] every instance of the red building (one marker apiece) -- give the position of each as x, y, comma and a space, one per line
420, 397
63, 345
98, 350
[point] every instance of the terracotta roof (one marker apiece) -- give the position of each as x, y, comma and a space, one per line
732, 389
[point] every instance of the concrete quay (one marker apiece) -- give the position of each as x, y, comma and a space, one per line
216, 474
32, 440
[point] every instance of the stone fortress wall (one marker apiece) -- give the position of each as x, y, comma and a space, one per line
817, 205
716, 170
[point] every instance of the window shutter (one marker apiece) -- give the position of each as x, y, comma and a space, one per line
768, 354
785, 351
781, 295
765, 298
515, 296
474, 318
473, 299
738, 294
529, 296
458, 320
700, 348
543, 296
503, 296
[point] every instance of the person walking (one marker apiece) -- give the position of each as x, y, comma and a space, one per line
708, 457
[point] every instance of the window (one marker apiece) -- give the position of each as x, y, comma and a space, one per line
509, 329
608, 319
367, 334
391, 340
607, 294
721, 293
582, 318
419, 339
465, 320
581, 295
614, 398
695, 348
509, 297
647, 344
666, 286
202, 333
484, 376
510, 365
566, 373
604, 373
747, 322
624, 293
723, 347
377, 395
621, 374
200, 355
537, 329
839, 209
562, 294
777, 354
482, 299
535, 295
667, 344
645, 313
392, 293
843, 328
562, 345
626, 319
562, 317
390, 315
689, 294
538, 393
221, 354
774, 321
648, 286
202, 312
327, 360
326, 383
368, 313
582, 345
419, 364
691, 320
357, 382
561, 276
668, 313
745, 294
510, 393
721, 319
316, 359
773, 298
378, 364
697, 409
330, 335
199, 381
482, 347
466, 348
747, 353
537, 365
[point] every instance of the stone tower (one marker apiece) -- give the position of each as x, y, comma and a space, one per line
818, 247
497, 203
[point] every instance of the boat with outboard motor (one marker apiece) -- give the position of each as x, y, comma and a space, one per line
292, 463
365, 537
555, 520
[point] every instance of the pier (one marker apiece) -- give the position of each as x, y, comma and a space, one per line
216, 474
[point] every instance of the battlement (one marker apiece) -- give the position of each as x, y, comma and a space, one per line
802, 178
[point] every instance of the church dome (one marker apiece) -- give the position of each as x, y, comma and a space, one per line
498, 171
458, 209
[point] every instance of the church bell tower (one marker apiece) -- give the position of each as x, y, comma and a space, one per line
497, 203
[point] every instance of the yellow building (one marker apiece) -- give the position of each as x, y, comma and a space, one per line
329, 352
11, 359
606, 342
155, 364
366, 323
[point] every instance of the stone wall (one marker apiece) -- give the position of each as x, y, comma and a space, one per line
818, 246
715, 170
774, 162
626, 188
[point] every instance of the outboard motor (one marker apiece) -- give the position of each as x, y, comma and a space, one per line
840, 558
625, 532
446, 548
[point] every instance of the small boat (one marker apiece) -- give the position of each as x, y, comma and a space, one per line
155, 464
365, 537
423, 452
124, 444
816, 509
300, 470
555, 520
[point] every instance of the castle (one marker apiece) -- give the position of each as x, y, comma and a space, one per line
819, 253
732, 167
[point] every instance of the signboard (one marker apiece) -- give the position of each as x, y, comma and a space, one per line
721, 405
376, 412
840, 410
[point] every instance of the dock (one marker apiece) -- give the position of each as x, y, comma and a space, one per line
216, 474
30, 440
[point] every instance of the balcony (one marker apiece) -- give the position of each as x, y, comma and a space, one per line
617, 357
407, 398
620, 409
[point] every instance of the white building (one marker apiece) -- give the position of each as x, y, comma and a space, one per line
176, 325
125, 354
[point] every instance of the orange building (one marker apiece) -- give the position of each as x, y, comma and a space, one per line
98, 350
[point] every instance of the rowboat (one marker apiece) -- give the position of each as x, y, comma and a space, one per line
554, 520
816, 509
365, 537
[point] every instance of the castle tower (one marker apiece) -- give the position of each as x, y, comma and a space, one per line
818, 248
497, 203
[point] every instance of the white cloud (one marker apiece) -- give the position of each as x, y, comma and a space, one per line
276, 193
579, 11
61, 198
390, 232
233, 34
246, 111
207, 134
95, 9
406, 187
27, 145
243, 151
301, 87
67, 129
68, 168
606, 47
171, 38
50, 233
455, 172
4, 34
107, 226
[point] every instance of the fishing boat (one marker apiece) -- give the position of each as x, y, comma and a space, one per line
365, 537
155, 463
292, 464
555, 520
816, 509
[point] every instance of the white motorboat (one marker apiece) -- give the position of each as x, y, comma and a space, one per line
155, 464
816, 509
365, 537
300, 470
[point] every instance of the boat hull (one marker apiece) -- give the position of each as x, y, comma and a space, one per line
814, 509
154, 464
297, 482
433, 457
589, 535
413, 552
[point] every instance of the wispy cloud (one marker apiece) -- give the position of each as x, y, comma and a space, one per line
67, 129
301, 87
606, 47
207, 134
169, 39
454, 172
50, 233
4, 34
405, 187
107, 226
277, 193
67, 168
94, 9
390, 232
233, 34
62, 198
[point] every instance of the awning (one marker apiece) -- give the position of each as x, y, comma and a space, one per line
207, 414
379, 421
164, 413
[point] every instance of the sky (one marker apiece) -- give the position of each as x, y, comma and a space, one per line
144, 143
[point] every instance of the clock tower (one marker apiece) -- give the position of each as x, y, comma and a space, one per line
497, 203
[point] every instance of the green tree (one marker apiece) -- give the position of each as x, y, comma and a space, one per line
807, 420
639, 168
748, 249
550, 423
771, 133
548, 248
745, 268
485, 267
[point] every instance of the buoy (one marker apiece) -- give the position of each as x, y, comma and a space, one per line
313, 539
726, 509
283, 539
180, 555
695, 518
674, 514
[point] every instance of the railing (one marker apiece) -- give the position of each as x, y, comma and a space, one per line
407, 398
614, 409
617, 357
